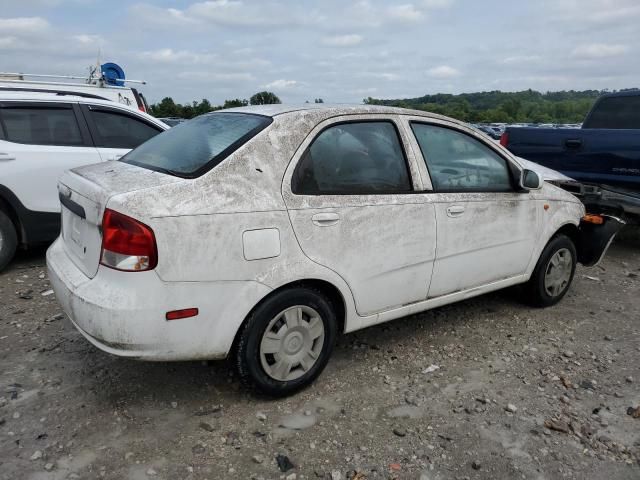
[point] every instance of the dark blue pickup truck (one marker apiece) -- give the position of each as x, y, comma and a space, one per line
603, 156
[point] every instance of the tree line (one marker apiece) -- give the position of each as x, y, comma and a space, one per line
528, 106
168, 108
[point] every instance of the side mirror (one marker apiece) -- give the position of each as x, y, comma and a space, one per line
530, 180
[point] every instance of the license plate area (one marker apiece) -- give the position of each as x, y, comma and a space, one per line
74, 232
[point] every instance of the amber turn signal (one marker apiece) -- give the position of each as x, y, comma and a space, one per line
592, 218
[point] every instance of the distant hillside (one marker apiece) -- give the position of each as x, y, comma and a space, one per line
527, 106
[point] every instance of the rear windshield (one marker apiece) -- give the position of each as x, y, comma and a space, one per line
194, 147
615, 113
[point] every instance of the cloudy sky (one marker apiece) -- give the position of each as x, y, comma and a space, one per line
339, 50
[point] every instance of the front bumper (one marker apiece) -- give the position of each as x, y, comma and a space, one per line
123, 313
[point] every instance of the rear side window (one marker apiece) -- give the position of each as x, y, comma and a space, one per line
116, 130
353, 158
196, 146
615, 113
460, 163
41, 125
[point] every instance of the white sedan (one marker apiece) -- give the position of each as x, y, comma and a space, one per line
264, 232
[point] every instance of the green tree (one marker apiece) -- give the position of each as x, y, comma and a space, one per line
166, 108
318, 100
236, 102
264, 98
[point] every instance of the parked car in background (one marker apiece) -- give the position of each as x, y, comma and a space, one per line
172, 121
493, 132
264, 232
124, 95
42, 134
603, 156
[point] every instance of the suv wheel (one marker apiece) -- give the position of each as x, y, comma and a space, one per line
8, 240
553, 274
286, 342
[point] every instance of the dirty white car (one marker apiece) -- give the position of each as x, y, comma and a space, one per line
264, 232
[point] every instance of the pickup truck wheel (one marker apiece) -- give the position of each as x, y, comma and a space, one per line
8, 240
286, 342
553, 274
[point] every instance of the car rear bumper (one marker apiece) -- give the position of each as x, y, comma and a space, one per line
124, 313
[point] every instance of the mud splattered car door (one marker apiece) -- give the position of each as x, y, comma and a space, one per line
486, 228
352, 191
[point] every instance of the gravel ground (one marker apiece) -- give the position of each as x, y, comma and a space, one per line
487, 388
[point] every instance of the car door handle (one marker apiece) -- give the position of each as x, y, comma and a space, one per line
455, 210
573, 143
325, 219
6, 156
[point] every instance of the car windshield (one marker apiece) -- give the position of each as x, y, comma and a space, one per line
196, 146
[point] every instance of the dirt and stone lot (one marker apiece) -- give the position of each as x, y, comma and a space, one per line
487, 388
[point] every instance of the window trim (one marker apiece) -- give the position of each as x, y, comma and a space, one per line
87, 108
509, 165
411, 190
82, 127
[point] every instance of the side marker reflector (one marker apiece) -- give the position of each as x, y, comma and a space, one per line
184, 313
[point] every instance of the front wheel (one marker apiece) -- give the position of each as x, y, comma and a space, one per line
553, 274
286, 341
8, 240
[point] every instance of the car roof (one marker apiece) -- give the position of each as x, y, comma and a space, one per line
328, 110
41, 96
30, 96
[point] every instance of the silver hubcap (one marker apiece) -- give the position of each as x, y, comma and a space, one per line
558, 272
292, 343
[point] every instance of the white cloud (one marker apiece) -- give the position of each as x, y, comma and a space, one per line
230, 13
593, 11
443, 71
23, 25
522, 59
405, 13
88, 39
437, 3
599, 50
7, 42
281, 84
349, 40
168, 55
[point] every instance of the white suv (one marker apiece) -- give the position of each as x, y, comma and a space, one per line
264, 232
42, 134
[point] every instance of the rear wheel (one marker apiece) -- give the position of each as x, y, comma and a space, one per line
286, 342
553, 274
8, 240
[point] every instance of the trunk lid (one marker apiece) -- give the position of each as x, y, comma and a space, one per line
84, 193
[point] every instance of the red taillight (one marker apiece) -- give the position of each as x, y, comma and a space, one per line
127, 244
184, 313
142, 109
504, 139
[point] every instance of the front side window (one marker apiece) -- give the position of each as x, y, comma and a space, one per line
458, 162
353, 158
193, 147
116, 130
41, 125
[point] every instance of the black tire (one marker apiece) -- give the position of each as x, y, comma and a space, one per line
534, 291
247, 352
8, 240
